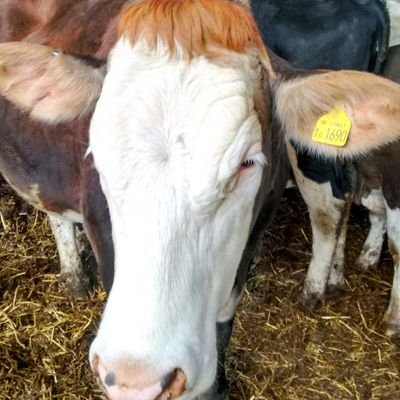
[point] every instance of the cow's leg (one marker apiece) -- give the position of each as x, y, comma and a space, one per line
372, 247
392, 315
336, 274
71, 265
328, 215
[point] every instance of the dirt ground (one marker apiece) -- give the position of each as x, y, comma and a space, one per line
278, 351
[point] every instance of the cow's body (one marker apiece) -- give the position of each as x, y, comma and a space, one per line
332, 34
335, 35
188, 136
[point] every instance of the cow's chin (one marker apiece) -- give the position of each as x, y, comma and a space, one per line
194, 374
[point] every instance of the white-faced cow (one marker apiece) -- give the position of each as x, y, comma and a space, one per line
334, 34
188, 137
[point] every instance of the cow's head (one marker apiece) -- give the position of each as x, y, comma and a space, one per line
178, 137
177, 141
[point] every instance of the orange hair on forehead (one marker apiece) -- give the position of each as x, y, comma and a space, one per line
196, 26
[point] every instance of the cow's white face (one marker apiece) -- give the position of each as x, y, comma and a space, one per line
170, 138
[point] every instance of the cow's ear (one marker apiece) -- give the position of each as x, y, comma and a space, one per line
370, 104
50, 85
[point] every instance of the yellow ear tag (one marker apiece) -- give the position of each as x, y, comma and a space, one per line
332, 128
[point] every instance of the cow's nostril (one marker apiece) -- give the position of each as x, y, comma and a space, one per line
110, 380
95, 364
167, 379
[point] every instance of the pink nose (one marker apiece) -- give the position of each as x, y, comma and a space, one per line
124, 380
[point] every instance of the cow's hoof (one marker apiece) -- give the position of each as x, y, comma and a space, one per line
368, 260
335, 290
392, 330
310, 301
77, 285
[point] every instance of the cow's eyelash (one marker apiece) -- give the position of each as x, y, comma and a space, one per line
248, 163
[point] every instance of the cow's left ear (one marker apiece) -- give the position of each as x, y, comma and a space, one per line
371, 104
51, 85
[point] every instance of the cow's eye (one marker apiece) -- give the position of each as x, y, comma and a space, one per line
247, 164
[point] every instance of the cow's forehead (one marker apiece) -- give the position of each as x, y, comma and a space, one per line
196, 27
154, 105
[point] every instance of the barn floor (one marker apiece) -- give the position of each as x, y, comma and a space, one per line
277, 352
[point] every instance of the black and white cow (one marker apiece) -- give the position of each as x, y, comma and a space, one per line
380, 178
188, 137
333, 34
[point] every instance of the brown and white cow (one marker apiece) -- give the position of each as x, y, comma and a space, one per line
381, 182
188, 138
47, 164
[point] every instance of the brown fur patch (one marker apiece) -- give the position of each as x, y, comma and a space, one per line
19, 18
372, 103
198, 27
81, 28
394, 252
324, 221
44, 10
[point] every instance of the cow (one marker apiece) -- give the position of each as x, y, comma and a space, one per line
17, 21
46, 165
188, 127
380, 177
333, 34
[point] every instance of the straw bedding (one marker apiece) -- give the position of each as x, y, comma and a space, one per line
277, 351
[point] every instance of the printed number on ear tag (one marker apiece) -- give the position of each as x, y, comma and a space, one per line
332, 128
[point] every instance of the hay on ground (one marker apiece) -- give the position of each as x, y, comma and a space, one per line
277, 352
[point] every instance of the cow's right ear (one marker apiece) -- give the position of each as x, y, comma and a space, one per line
49, 84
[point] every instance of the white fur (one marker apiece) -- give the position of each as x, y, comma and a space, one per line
168, 137
392, 315
394, 11
228, 311
372, 248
